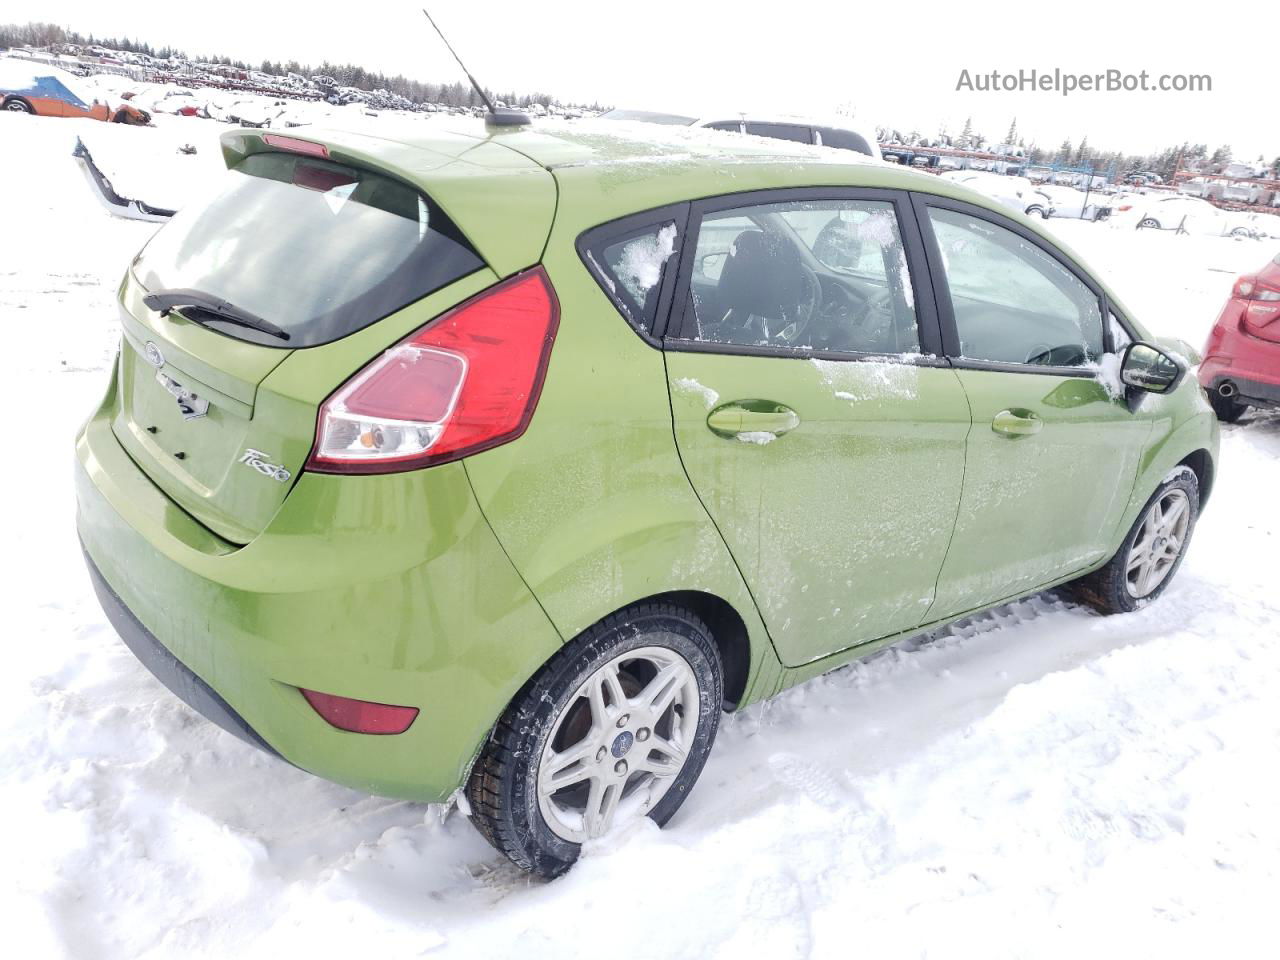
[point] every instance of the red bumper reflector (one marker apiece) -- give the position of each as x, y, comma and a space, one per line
360, 716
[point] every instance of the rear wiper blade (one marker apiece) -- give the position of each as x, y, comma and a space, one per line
217, 308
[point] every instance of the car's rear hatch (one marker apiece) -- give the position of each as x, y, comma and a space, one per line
345, 253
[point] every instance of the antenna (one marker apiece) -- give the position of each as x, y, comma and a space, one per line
498, 117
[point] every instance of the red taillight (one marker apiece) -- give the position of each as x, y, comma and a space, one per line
360, 716
467, 381
1251, 288
294, 145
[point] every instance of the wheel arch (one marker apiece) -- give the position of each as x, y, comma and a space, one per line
728, 632
1201, 464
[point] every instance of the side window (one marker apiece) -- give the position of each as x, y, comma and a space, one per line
1012, 301
823, 275
781, 131
733, 125
844, 139
630, 267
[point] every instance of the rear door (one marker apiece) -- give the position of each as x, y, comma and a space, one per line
820, 431
1053, 454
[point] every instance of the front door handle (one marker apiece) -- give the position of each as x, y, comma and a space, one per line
1016, 423
738, 417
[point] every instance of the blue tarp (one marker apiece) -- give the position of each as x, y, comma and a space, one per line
50, 87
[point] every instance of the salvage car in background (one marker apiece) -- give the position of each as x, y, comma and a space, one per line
49, 92
1241, 366
1180, 212
838, 132
1016, 193
544, 451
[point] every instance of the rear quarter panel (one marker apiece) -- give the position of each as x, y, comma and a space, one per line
592, 503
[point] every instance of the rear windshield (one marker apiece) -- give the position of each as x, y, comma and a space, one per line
317, 248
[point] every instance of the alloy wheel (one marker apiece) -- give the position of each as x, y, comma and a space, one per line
1159, 543
619, 743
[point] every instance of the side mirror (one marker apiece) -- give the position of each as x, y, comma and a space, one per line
1147, 367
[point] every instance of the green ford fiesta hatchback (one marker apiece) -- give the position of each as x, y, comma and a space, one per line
506, 461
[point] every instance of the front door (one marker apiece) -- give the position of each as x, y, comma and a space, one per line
825, 446
1054, 449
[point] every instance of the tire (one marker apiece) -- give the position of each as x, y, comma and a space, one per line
514, 801
1111, 589
1150, 223
1228, 409
17, 105
1037, 212
1240, 232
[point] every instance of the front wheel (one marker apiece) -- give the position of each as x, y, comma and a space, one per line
617, 726
1149, 223
1152, 552
16, 105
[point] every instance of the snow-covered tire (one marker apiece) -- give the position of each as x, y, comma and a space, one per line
509, 790
1150, 223
1109, 589
17, 105
1037, 211
1227, 409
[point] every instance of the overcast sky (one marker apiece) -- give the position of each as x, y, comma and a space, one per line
893, 63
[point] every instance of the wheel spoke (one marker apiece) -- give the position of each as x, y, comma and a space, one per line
1169, 519
560, 770
670, 757
662, 689
1138, 556
1148, 580
602, 801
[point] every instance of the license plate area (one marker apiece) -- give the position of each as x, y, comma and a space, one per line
190, 405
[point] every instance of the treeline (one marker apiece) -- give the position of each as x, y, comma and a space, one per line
1184, 156
454, 94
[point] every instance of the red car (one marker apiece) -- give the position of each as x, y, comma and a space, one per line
1241, 366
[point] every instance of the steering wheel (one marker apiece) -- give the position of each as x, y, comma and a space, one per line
855, 318
1065, 355
788, 332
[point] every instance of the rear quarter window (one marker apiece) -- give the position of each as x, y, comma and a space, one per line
630, 265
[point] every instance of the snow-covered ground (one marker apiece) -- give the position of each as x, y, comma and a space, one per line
1041, 783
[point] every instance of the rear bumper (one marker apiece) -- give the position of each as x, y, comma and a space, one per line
390, 589
1250, 363
167, 668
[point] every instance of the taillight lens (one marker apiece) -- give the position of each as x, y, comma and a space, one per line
467, 381
360, 716
1263, 307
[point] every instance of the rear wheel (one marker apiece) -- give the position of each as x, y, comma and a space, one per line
18, 105
617, 726
1150, 222
1152, 552
1228, 409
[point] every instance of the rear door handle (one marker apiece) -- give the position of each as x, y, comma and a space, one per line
1016, 423
739, 417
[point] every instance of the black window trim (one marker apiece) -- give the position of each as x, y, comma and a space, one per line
681, 313
942, 289
624, 228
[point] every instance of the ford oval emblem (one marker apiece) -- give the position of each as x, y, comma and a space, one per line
153, 354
